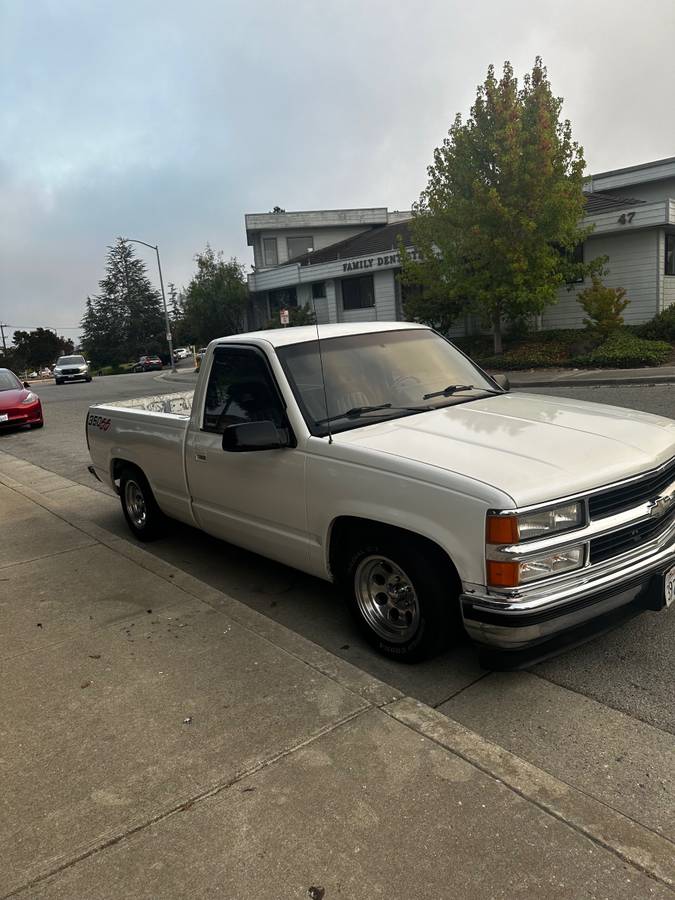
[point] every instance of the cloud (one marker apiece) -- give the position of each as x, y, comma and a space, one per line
168, 121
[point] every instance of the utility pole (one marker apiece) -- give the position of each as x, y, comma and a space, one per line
169, 338
2, 331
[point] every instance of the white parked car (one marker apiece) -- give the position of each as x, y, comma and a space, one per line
71, 368
435, 497
181, 353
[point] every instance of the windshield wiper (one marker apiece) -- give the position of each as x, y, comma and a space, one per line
358, 411
456, 388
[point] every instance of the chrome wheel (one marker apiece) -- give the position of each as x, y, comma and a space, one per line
387, 599
134, 501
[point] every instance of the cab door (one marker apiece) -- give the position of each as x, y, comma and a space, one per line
255, 499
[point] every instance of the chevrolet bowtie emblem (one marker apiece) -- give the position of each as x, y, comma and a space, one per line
660, 505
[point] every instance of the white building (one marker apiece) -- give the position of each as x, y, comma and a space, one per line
342, 261
345, 262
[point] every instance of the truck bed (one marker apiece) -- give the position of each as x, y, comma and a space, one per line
148, 432
178, 404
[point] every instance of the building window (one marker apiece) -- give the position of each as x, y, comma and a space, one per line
299, 245
358, 293
670, 254
318, 290
282, 299
270, 256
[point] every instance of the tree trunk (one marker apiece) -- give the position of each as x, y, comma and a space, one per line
497, 335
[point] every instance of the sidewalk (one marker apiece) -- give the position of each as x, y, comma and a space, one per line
160, 739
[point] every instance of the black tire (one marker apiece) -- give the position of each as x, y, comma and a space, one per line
145, 519
37, 424
88, 380
435, 620
58, 381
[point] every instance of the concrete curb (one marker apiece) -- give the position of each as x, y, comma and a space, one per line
590, 382
181, 379
630, 841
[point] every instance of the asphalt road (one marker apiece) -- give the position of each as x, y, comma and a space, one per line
622, 679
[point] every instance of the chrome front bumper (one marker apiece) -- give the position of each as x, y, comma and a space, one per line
513, 623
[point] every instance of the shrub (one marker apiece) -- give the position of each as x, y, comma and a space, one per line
528, 356
623, 350
660, 328
603, 306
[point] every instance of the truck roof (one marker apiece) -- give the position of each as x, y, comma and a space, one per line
300, 334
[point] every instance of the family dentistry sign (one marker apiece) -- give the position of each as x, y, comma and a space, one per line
376, 262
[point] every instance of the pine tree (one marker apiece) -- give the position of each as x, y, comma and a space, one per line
176, 305
124, 320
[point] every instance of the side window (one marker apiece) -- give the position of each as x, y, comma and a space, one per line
240, 389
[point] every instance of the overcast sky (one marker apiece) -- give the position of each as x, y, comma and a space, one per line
168, 121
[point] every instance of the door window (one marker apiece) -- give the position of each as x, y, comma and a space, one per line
241, 389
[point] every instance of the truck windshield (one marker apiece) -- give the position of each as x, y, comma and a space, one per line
383, 375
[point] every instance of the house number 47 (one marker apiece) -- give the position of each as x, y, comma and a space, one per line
626, 218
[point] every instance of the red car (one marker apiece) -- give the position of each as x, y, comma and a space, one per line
148, 364
18, 404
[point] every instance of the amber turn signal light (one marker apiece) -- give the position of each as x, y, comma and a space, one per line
502, 574
501, 530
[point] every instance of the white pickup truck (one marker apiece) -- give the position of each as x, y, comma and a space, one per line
390, 463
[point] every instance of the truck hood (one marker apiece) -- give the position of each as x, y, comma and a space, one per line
531, 447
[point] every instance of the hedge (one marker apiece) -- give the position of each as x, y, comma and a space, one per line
623, 350
660, 328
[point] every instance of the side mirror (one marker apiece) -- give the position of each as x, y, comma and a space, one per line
26, 384
253, 436
502, 381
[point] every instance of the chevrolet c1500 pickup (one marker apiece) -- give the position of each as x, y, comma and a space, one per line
383, 459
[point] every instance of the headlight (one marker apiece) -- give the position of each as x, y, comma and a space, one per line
514, 529
30, 397
512, 574
57, 369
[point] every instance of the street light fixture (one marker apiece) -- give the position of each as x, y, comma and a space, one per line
161, 283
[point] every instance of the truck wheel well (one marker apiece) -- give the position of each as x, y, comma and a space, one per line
350, 530
119, 464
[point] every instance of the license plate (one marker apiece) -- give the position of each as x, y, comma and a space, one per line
670, 586
4, 417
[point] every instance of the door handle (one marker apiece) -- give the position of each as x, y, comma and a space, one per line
200, 457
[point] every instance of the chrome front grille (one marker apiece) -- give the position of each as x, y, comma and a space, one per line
625, 539
632, 493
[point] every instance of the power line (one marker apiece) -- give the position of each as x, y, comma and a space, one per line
46, 327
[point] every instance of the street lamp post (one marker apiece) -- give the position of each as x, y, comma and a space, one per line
161, 284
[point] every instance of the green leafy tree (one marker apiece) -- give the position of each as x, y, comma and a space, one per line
125, 319
214, 302
39, 348
495, 229
603, 306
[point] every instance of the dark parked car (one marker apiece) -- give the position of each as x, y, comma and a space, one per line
18, 404
148, 364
